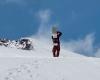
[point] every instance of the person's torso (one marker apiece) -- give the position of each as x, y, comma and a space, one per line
55, 38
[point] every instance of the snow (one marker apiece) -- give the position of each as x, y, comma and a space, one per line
38, 64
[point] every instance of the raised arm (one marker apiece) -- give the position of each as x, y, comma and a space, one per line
59, 33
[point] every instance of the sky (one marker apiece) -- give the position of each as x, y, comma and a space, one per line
76, 19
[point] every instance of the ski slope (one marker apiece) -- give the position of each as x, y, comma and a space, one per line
38, 64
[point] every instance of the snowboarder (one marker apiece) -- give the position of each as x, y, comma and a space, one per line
56, 42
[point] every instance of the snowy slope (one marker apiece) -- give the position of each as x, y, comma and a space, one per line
38, 64
42, 48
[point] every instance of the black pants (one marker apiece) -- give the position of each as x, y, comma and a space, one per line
56, 51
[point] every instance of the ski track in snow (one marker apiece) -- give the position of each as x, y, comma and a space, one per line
33, 71
53, 69
23, 72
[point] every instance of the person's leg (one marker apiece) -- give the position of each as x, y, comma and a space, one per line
58, 50
54, 51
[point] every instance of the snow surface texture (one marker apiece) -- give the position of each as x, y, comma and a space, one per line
38, 64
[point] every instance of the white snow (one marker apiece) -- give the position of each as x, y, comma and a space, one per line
38, 64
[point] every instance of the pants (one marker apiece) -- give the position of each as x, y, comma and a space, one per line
56, 51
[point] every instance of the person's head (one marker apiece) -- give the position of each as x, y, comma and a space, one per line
54, 29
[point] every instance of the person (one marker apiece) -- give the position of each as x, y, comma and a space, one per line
56, 43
